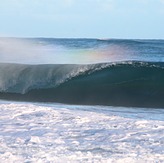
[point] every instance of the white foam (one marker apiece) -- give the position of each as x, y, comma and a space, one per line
62, 133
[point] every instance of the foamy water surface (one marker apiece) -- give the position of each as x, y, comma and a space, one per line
32, 132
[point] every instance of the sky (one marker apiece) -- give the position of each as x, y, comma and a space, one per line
129, 19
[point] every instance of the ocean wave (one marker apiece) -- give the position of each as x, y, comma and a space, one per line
130, 83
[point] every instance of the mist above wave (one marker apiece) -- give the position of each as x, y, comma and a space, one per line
44, 51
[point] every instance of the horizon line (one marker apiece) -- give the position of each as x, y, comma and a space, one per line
95, 38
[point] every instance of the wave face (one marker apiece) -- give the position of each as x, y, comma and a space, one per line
129, 83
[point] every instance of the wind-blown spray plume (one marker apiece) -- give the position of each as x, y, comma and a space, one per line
28, 51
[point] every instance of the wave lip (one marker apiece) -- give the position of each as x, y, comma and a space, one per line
130, 83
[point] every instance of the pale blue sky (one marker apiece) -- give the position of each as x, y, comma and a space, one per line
82, 18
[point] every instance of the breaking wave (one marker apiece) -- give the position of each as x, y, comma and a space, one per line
130, 83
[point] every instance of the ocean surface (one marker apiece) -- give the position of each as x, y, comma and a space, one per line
81, 100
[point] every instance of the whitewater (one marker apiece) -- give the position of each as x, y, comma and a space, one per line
81, 100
